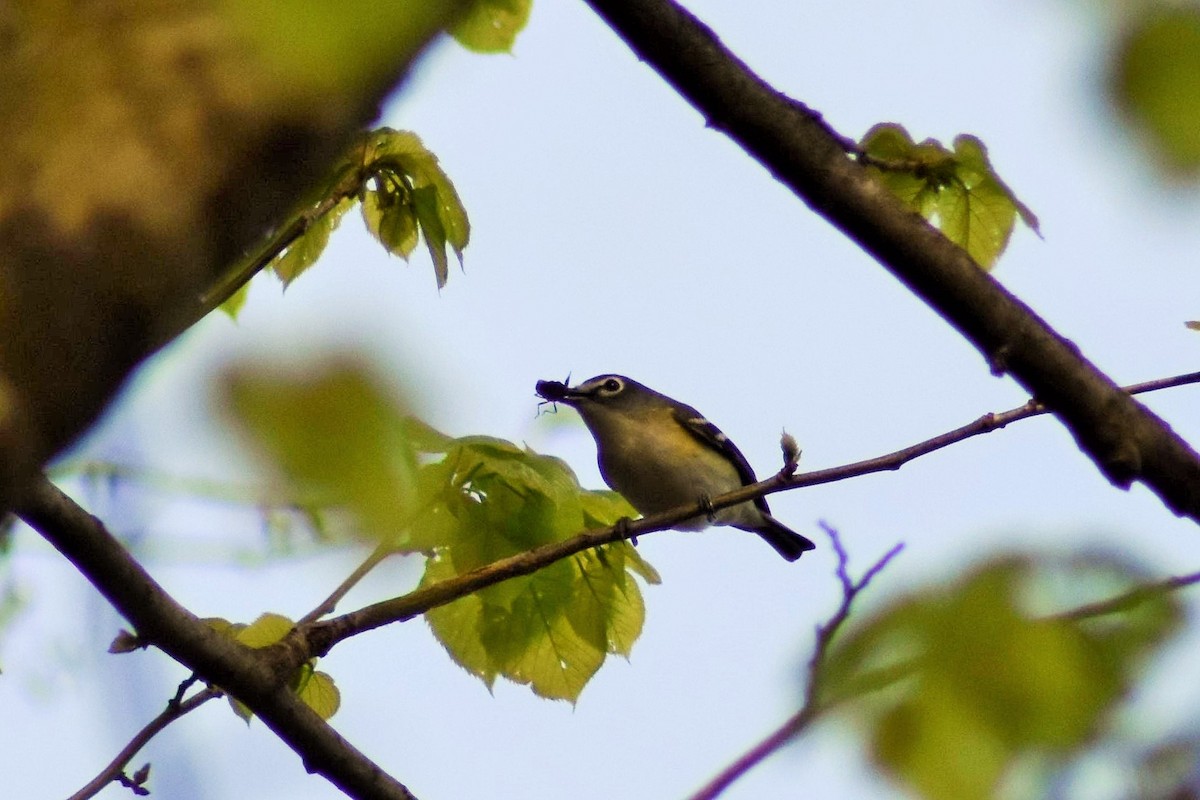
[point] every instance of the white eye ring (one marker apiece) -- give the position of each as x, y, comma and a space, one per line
612, 386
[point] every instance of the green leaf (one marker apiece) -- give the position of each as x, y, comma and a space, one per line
958, 191
425, 205
333, 431
317, 690
266, 630
308, 247
1155, 81
551, 630
971, 662
491, 26
390, 217
410, 191
236, 301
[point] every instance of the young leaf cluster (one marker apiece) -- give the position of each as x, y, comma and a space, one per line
957, 190
407, 191
315, 688
464, 503
955, 684
553, 629
404, 194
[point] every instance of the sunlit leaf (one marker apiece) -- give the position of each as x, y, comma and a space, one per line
491, 26
958, 191
268, 629
391, 218
1156, 82
318, 691
308, 247
411, 192
551, 630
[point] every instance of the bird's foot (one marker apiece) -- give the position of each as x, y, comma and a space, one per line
622, 528
706, 505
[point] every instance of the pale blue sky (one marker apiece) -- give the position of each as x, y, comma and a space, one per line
613, 232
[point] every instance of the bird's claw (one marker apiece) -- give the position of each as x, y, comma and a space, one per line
622, 528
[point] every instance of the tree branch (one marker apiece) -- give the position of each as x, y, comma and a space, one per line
247, 674
1125, 440
811, 708
116, 768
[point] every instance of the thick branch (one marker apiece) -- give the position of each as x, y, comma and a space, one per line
244, 673
1125, 440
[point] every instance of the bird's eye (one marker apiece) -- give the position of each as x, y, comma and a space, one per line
612, 386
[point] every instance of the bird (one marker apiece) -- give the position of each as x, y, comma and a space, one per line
660, 454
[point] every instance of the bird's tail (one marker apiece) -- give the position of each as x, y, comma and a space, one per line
786, 541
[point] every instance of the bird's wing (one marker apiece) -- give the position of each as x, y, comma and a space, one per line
710, 435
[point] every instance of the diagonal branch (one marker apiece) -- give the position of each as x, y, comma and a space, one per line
246, 674
317, 639
1125, 440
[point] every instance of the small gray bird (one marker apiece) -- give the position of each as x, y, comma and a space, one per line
660, 454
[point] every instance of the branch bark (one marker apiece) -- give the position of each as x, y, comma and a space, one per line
1124, 439
248, 675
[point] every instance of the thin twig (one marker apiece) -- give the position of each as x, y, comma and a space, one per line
329, 604
175, 709
317, 639
1130, 599
811, 708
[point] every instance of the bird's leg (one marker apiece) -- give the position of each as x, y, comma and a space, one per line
706, 505
622, 528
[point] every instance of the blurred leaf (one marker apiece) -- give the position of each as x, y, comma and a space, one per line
958, 191
307, 248
1168, 770
323, 47
491, 26
969, 663
408, 192
332, 430
1155, 81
